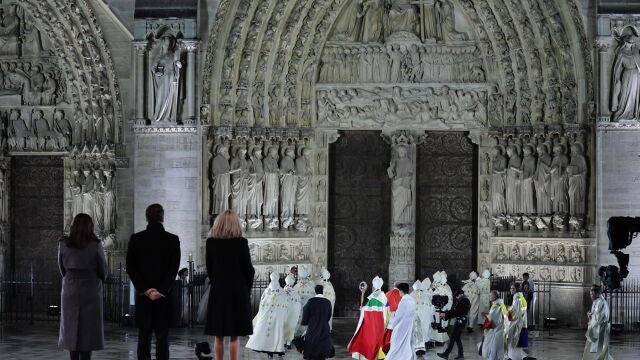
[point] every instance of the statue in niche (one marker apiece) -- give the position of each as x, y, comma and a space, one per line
98, 201
532, 254
625, 77
401, 173
577, 172
256, 186
284, 253
498, 181
372, 14
76, 193
109, 202
272, 187
526, 185
542, 180
20, 135
10, 32
546, 253
501, 254
303, 191
513, 181
445, 21
240, 167
288, 185
574, 254
221, 180
559, 181
402, 17
165, 72
347, 27
562, 257
88, 186
63, 128
485, 190
515, 253
268, 253
45, 137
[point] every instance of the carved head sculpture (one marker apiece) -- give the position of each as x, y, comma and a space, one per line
273, 151
37, 114
290, 280
543, 148
527, 149
257, 153
306, 152
223, 150
558, 149
429, 92
626, 35
58, 115
445, 90
15, 114
402, 151
289, 152
473, 275
376, 283
241, 153
417, 286
576, 148
496, 150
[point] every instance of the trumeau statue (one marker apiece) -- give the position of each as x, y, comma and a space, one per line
559, 181
625, 77
165, 71
542, 180
401, 172
256, 188
498, 181
526, 185
240, 183
288, 183
271, 188
221, 180
577, 172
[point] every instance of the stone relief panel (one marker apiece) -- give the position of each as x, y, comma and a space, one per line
90, 188
267, 178
441, 107
280, 251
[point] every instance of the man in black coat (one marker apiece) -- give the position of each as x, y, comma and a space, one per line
459, 312
153, 259
316, 314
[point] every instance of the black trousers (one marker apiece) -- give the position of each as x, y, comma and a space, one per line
80, 355
455, 337
162, 343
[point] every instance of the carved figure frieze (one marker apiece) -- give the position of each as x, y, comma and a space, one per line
558, 273
34, 130
278, 251
31, 82
440, 108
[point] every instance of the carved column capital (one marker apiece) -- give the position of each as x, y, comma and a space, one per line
190, 45
602, 44
140, 46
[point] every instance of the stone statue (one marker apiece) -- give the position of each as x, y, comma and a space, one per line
347, 27
76, 193
303, 191
255, 197
272, 187
498, 181
240, 183
574, 253
109, 202
288, 186
401, 173
372, 14
221, 180
625, 77
63, 128
10, 32
4, 211
515, 253
528, 205
98, 202
562, 257
577, 172
542, 180
402, 18
88, 186
559, 182
445, 21
546, 253
165, 72
513, 181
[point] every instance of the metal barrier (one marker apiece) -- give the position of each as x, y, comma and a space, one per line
624, 305
539, 311
25, 297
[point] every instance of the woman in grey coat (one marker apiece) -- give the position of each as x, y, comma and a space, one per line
84, 269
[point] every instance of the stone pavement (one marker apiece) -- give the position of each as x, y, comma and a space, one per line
22, 341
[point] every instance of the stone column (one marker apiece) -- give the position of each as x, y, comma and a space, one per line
141, 50
603, 44
402, 172
190, 109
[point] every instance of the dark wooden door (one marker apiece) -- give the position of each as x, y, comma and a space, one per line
37, 203
359, 216
446, 178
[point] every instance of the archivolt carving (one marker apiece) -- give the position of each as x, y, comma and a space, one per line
271, 57
85, 62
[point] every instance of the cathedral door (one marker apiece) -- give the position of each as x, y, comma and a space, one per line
37, 204
359, 215
446, 207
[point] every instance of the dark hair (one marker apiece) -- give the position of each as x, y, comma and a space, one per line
525, 274
319, 289
154, 214
182, 271
516, 285
81, 233
404, 287
596, 288
496, 293
458, 292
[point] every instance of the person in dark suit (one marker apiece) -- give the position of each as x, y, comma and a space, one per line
459, 312
153, 259
84, 269
231, 273
317, 340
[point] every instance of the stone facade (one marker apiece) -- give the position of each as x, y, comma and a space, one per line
236, 105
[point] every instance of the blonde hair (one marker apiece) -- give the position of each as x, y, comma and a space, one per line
226, 226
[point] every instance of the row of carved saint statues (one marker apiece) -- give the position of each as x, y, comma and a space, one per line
93, 193
543, 179
36, 132
267, 185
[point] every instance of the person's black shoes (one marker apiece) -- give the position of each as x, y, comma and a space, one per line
443, 355
203, 348
469, 330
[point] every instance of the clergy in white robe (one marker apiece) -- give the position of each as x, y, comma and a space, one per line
424, 315
484, 284
597, 346
517, 333
440, 287
492, 346
402, 325
293, 310
269, 324
472, 291
329, 291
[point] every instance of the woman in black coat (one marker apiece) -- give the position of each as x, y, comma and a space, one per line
231, 273
84, 269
